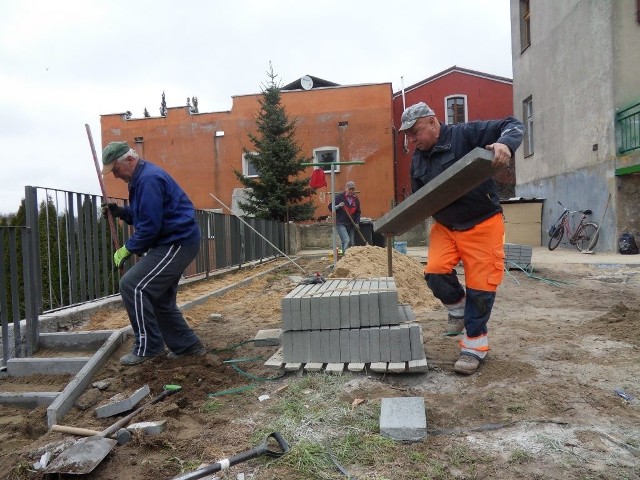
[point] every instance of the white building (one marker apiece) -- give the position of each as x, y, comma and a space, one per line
576, 77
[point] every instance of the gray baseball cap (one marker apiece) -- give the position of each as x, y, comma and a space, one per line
411, 115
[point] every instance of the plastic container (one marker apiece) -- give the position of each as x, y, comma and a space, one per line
400, 247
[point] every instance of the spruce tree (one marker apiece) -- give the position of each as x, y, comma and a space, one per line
277, 193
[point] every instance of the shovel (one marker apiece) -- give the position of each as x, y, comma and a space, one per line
82, 456
85, 454
262, 449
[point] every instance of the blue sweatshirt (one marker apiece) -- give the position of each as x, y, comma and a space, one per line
454, 142
159, 210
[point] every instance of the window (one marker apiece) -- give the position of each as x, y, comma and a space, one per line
456, 106
248, 169
527, 115
326, 155
525, 25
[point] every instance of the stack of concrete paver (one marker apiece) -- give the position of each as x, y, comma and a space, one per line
349, 321
517, 256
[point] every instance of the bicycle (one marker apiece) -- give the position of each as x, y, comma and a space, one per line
584, 237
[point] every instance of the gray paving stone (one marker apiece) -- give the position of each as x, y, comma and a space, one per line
345, 302
268, 338
374, 344
354, 344
385, 347
394, 343
316, 348
363, 300
405, 343
364, 346
120, 405
316, 317
287, 345
403, 418
467, 173
374, 303
345, 350
334, 339
417, 349
334, 311
354, 305
325, 345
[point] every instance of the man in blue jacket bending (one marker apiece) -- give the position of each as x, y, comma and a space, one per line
165, 228
471, 228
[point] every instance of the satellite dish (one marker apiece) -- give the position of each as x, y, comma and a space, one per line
306, 82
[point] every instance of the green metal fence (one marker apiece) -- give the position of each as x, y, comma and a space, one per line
628, 126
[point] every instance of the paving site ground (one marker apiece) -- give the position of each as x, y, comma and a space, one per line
543, 406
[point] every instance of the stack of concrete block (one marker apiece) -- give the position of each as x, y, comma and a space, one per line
349, 321
517, 256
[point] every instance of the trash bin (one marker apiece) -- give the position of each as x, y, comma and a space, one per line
379, 240
367, 232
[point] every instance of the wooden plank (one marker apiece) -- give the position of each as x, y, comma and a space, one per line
462, 177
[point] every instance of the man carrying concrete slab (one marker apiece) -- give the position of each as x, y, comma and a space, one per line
470, 228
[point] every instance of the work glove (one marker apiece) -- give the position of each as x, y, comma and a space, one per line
115, 210
120, 256
340, 205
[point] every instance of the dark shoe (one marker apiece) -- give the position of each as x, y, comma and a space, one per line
455, 325
466, 364
197, 349
133, 359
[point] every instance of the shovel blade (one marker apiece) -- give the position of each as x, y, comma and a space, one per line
82, 456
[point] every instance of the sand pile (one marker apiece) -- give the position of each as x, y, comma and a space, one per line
370, 261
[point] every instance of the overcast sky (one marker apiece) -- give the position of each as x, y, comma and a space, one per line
64, 63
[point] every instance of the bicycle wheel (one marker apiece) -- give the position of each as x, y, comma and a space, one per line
554, 241
587, 236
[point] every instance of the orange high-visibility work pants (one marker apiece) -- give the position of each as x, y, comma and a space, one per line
481, 250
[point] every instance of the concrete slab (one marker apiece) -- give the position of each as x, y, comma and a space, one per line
28, 399
268, 338
119, 405
23, 367
148, 428
403, 418
463, 176
89, 340
63, 403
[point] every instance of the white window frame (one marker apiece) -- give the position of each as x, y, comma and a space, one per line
527, 116
245, 166
446, 106
320, 150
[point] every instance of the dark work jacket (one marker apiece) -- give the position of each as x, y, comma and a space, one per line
159, 210
341, 215
454, 142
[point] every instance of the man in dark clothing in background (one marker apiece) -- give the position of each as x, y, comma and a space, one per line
347, 205
470, 229
165, 228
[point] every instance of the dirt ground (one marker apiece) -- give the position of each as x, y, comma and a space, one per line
543, 406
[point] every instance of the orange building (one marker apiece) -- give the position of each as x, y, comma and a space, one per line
333, 123
456, 95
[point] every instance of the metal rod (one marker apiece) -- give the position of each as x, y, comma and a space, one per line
389, 237
262, 236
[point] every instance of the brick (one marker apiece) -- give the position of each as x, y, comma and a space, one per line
354, 305
394, 343
354, 344
316, 348
345, 350
345, 301
374, 344
364, 346
385, 348
334, 341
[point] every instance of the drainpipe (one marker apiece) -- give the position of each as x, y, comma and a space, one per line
395, 163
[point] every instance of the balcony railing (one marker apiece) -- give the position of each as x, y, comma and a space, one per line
628, 126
